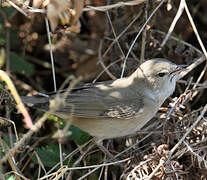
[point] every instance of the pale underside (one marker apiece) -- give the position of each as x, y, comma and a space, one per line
109, 114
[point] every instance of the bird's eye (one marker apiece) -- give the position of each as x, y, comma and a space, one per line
161, 74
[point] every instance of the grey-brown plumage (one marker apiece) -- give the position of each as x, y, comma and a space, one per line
117, 108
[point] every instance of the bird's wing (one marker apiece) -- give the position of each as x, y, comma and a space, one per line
92, 102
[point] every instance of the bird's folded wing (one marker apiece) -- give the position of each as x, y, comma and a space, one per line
93, 102
90, 101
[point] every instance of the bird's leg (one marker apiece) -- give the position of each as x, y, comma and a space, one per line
99, 143
80, 158
104, 149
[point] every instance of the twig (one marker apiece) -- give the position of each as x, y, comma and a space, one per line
20, 105
107, 67
39, 123
41, 165
22, 140
11, 160
101, 61
117, 5
135, 169
68, 156
195, 29
101, 172
133, 54
61, 156
200, 77
144, 35
114, 33
64, 169
51, 54
178, 40
87, 8
24, 178
192, 66
200, 158
154, 11
178, 14
96, 167
79, 160
120, 35
17, 8
155, 170
7, 26
182, 74
189, 130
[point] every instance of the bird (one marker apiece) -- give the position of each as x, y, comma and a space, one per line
117, 108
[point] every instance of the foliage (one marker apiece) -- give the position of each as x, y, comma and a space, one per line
49, 155
19, 65
79, 136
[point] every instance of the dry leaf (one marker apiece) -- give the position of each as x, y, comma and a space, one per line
54, 9
65, 12
77, 11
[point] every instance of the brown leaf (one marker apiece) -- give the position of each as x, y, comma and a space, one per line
77, 11
54, 9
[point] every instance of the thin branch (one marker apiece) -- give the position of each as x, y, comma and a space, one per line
189, 130
97, 167
144, 36
57, 103
17, 8
4, 77
195, 29
117, 5
120, 35
114, 33
107, 67
178, 14
102, 63
7, 26
51, 54
155, 10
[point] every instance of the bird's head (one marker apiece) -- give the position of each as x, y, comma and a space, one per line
159, 75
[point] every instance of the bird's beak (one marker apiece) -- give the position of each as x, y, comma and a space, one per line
179, 69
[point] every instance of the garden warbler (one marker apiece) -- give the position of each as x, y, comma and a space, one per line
119, 107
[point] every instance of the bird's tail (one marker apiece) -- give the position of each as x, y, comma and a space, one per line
37, 101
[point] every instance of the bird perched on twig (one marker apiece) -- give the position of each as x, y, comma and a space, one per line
119, 107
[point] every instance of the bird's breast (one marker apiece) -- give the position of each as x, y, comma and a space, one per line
106, 128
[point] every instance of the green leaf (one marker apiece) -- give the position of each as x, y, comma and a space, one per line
2, 39
11, 177
2, 35
13, 33
79, 136
19, 65
49, 155
14, 39
2, 57
8, 11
